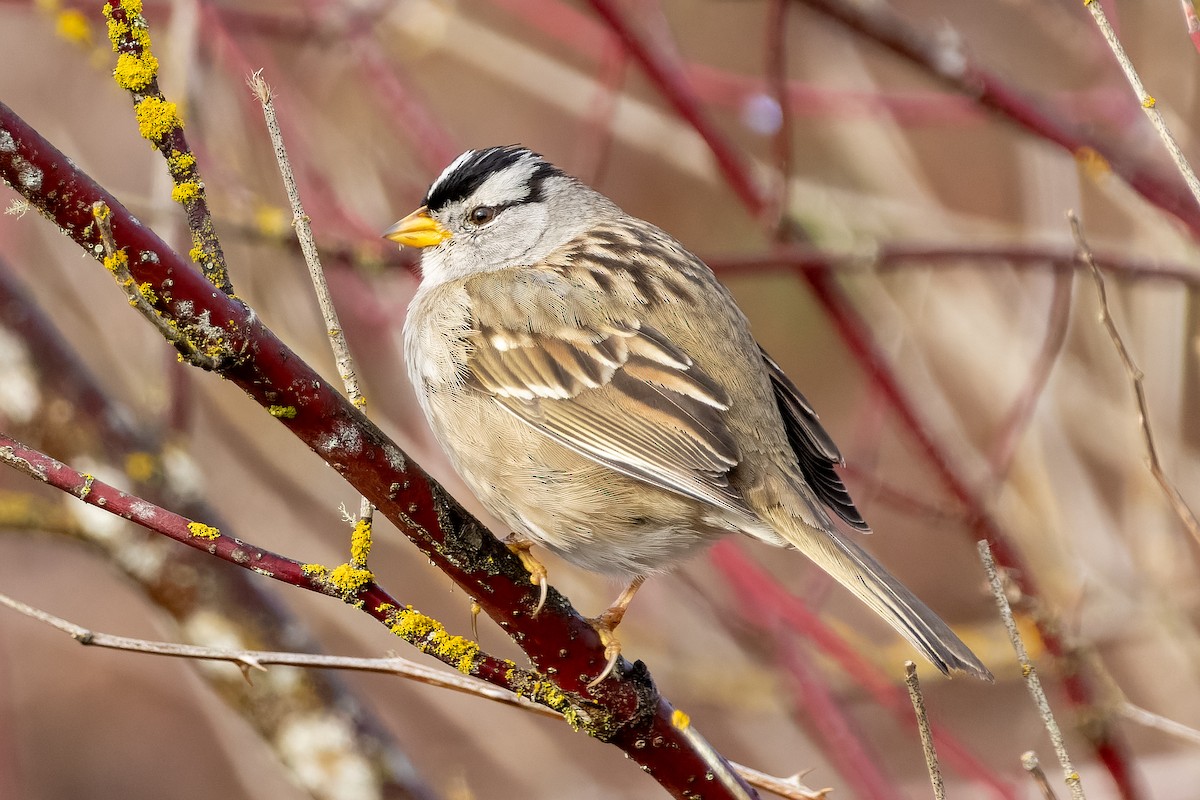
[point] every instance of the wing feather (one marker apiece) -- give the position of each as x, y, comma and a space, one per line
814, 448
619, 393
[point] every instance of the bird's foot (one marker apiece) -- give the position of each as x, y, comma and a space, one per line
606, 625
537, 570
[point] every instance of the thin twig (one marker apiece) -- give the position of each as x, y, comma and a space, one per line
1158, 722
918, 704
1136, 378
308, 246
260, 659
789, 788
1030, 673
1030, 763
1147, 101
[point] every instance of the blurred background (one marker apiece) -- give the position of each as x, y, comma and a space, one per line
887, 200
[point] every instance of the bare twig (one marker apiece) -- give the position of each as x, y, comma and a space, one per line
261, 659
1158, 722
1136, 379
1147, 101
308, 246
918, 704
789, 788
1030, 763
1030, 673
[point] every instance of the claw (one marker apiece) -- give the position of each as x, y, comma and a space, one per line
612, 650
537, 571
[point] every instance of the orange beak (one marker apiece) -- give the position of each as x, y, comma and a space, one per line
418, 229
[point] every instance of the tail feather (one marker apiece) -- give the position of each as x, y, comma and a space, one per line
858, 571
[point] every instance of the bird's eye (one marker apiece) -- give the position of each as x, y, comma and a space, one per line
482, 215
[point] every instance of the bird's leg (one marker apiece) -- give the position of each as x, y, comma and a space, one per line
537, 571
606, 625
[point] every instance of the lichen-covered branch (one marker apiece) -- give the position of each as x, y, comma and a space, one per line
563, 647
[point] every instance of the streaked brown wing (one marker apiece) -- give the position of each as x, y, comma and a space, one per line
814, 448
620, 394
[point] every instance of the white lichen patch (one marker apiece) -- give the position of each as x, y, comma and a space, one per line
395, 458
142, 511
345, 437
320, 749
29, 176
19, 393
7, 145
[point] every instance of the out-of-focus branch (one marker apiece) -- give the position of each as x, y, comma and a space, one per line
950, 64
1136, 379
859, 339
907, 255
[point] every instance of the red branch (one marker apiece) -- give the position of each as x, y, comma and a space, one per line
625, 710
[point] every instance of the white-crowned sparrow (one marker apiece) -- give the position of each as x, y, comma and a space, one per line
602, 395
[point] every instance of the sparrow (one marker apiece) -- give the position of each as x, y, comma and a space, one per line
602, 395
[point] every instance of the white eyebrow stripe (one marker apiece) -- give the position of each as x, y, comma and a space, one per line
454, 165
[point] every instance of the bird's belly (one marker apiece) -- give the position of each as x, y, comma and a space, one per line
591, 515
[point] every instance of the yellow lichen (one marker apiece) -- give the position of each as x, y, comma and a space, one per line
360, 542
139, 465
202, 531
314, 570
679, 720
116, 261
181, 162
72, 25
1149, 102
196, 254
429, 636
147, 291
282, 412
348, 579
156, 118
135, 71
122, 33
183, 192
